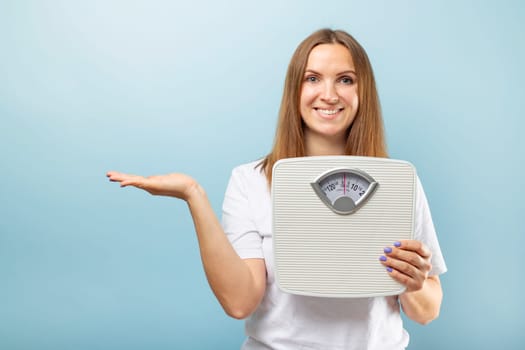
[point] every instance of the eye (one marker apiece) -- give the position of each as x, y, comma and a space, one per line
347, 80
311, 79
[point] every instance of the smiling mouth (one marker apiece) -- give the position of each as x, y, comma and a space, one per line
328, 111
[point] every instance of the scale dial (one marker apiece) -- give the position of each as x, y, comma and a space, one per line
344, 190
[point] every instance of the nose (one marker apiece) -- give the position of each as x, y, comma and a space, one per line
329, 94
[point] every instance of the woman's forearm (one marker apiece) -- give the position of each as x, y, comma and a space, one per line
423, 305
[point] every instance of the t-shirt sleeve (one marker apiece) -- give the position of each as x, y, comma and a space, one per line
425, 231
237, 218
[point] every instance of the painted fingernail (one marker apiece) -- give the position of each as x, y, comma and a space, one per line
397, 244
389, 269
387, 250
382, 258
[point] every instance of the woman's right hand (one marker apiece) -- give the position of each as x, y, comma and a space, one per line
172, 185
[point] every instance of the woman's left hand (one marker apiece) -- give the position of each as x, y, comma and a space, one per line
408, 262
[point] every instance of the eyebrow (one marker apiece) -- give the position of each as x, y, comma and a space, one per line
340, 73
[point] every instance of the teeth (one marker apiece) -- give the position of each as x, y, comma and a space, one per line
329, 111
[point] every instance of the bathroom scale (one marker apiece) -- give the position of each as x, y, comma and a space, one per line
332, 217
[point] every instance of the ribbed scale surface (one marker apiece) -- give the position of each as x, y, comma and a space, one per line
318, 252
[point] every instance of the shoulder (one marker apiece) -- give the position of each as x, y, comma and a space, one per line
249, 172
248, 166
250, 179
247, 192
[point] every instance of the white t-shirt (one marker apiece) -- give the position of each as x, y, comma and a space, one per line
287, 321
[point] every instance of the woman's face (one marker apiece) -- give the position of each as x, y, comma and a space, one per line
328, 100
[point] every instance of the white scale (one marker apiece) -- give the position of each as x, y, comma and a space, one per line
332, 218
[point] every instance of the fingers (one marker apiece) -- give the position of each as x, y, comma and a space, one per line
408, 262
115, 176
415, 246
125, 179
411, 284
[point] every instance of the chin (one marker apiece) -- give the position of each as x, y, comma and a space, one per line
333, 133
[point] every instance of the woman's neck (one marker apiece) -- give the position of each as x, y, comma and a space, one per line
321, 145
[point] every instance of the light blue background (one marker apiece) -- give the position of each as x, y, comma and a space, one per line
194, 86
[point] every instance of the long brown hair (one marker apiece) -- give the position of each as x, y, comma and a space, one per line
365, 135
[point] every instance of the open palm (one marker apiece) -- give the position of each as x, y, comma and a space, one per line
172, 185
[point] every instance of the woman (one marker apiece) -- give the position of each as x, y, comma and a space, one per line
329, 107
